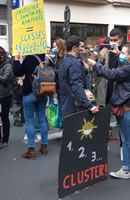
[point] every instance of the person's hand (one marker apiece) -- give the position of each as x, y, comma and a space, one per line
85, 66
94, 56
17, 55
94, 109
91, 62
115, 50
103, 53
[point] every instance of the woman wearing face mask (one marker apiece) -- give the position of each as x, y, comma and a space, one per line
120, 97
6, 79
59, 49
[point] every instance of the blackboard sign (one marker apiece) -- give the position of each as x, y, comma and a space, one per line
83, 156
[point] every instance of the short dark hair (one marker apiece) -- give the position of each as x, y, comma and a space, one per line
73, 40
81, 39
2, 52
116, 31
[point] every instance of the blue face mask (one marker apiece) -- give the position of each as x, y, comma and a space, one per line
54, 51
123, 58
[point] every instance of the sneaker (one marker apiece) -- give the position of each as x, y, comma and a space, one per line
18, 123
25, 137
38, 137
5, 144
120, 174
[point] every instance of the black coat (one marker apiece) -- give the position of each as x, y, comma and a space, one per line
26, 68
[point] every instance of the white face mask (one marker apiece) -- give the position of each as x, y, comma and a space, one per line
114, 43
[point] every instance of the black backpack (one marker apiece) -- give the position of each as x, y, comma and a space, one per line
43, 83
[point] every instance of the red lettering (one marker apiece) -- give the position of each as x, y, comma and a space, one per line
92, 169
106, 169
96, 171
64, 182
101, 168
72, 180
80, 177
86, 175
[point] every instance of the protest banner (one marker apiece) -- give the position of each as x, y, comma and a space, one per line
29, 34
83, 156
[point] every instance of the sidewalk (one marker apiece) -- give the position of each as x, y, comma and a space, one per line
22, 179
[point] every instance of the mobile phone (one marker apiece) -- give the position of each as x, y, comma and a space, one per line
108, 46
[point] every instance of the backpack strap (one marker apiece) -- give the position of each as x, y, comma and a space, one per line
40, 61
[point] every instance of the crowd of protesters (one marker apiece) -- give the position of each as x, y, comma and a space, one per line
104, 69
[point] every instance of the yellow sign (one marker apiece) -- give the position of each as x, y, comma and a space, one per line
29, 34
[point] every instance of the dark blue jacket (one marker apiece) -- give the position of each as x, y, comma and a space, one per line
72, 71
121, 75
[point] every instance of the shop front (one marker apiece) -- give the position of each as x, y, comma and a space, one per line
90, 33
91, 21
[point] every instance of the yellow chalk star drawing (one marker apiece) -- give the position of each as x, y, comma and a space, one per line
87, 129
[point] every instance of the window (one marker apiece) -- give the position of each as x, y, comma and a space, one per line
3, 31
91, 33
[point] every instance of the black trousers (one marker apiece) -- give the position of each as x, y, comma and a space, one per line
5, 107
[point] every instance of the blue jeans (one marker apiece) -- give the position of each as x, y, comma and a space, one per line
124, 123
31, 105
36, 125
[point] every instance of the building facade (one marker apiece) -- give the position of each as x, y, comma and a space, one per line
4, 25
90, 19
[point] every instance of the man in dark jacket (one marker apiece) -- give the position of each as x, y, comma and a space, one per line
105, 87
73, 81
121, 98
116, 39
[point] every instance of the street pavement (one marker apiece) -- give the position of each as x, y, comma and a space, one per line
22, 179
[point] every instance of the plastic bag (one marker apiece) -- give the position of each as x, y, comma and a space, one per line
54, 119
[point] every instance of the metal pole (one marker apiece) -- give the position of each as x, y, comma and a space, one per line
22, 2
67, 16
